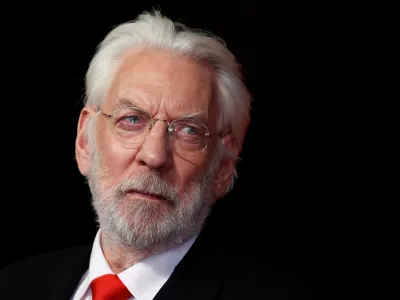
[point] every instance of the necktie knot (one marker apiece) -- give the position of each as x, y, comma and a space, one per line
109, 287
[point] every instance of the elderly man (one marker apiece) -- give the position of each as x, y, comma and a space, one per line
165, 116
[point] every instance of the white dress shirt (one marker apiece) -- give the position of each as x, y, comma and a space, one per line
144, 279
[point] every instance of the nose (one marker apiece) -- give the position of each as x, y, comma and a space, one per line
155, 152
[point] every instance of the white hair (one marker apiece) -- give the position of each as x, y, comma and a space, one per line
152, 30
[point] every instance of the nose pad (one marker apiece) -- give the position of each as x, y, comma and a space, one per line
153, 122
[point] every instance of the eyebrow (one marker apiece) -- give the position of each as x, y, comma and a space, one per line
126, 102
193, 115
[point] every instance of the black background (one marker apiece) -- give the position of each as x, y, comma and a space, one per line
280, 197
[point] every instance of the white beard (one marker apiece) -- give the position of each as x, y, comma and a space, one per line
150, 225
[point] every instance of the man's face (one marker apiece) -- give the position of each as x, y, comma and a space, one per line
151, 195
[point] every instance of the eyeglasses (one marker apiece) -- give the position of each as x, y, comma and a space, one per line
131, 126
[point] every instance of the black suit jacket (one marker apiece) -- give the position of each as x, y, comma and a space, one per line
216, 267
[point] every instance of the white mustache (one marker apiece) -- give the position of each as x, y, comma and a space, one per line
149, 183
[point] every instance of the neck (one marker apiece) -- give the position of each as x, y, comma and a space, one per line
119, 256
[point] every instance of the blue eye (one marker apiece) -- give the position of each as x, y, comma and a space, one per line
189, 130
132, 123
133, 119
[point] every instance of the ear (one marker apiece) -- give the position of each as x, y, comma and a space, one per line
226, 167
82, 147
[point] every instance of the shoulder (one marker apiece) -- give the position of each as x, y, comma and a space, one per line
246, 271
264, 276
48, 261
44, 267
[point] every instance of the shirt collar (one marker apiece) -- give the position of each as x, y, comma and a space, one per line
145, 278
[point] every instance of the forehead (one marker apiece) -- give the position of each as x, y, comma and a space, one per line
162, 82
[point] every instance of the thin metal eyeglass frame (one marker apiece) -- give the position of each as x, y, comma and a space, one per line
110, 117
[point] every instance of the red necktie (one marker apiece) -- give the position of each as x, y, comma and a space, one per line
109, 287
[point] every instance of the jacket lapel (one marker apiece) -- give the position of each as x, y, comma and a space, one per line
198, 275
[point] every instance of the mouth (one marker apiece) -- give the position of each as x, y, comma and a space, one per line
147, 195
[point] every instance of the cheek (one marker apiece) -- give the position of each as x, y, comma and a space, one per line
187, 172
115, 159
